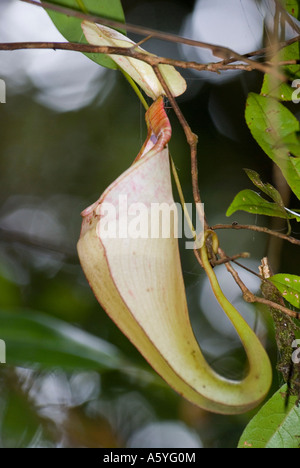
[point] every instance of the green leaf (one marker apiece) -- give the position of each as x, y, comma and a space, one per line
275, 425
292, 142
36, 339
292, 6
278, 89
268, 189
70, 27
270, 122
296, 164
252, 202
289, 286
142, 73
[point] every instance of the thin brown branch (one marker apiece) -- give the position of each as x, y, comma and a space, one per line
252, 298
223, 51
231, 259
248, 269
218, 51
268, 52
264, 230
192, 140
235, 275
284, 63
127, 52
274, 305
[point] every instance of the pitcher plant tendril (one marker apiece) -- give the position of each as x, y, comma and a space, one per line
139, 283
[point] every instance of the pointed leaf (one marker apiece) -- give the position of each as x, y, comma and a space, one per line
70, 27
289, 286
139, 71
275, 425
270, 122
252, 202
268, 189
